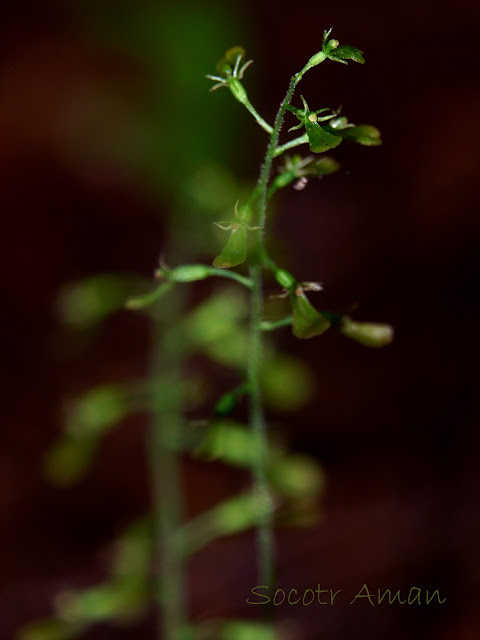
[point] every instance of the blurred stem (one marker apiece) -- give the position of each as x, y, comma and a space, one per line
165, 431
271, 325
265, 539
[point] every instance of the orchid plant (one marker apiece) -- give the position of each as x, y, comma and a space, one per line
281, 480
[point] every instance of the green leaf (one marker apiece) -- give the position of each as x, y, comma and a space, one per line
370, 334
235, 251
307, 321
320, 140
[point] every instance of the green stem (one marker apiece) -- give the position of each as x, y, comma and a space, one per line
140, 302
257, 117
265, 537
224, 273
289, 145
162, 445
271, 325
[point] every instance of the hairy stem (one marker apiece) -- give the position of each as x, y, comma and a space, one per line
265, 537
270, 154
291, 144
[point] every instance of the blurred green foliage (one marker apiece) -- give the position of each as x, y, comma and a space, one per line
174, 43
85, 303
87, 419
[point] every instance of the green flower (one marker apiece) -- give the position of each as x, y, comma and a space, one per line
319, 138
365, 134
230, 71
333, 130
235, 250
370, 334
340, 53
306, 320
332, 50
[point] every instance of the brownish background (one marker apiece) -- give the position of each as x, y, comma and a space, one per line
395, 429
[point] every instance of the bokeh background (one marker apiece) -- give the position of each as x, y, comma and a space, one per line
106, 127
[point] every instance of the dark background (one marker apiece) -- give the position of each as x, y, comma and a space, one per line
395, 429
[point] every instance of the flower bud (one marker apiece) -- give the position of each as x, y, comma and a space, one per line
332, 44
284, 278
189, 273
370, 334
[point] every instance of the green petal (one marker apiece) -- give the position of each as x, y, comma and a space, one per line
232, 54
235, 251
365, 134
307, 321
229, 59
223, 67
345, 52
